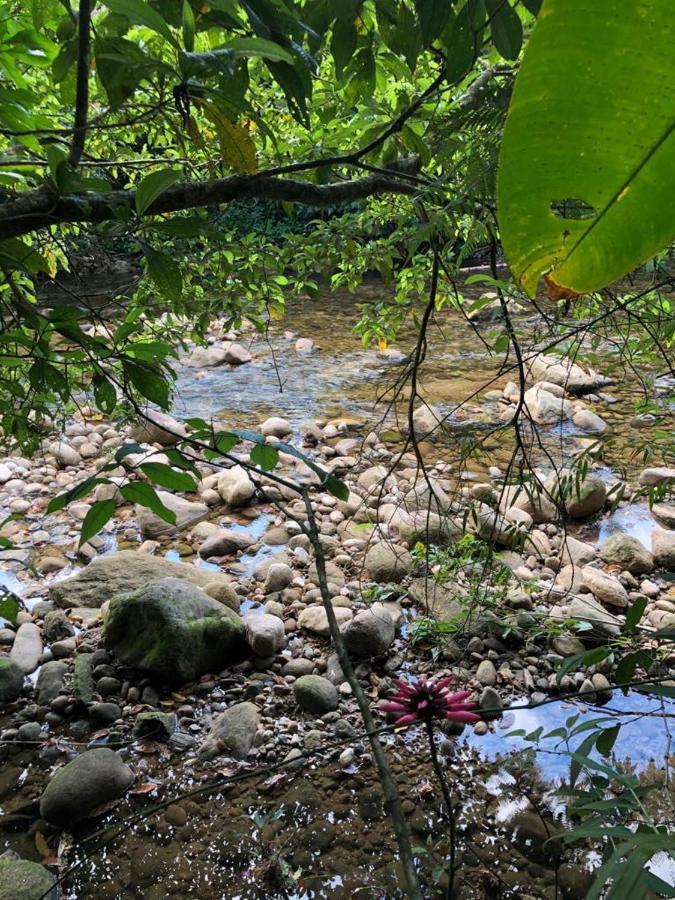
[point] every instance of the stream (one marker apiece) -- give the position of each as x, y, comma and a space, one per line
285, 827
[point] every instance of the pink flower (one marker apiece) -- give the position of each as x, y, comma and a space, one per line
423, 700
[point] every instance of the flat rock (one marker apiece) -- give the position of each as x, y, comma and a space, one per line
314, 619
88, 781
187, 513
604, 587
586, 609
225, 542
27, 647
122, 572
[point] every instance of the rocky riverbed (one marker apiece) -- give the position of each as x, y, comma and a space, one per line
155, 659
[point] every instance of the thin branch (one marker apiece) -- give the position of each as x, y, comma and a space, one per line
82, 83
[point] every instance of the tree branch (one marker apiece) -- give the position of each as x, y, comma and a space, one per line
82, 83
40, 209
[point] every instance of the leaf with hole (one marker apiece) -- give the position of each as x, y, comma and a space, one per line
584, 74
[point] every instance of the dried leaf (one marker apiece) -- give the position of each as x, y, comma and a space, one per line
41, 844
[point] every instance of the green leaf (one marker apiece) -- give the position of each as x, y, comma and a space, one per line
144, 495
506, 27
167, 477
149, 383
140, 13
659, 690
165, 272
9, 608
343, 44
104, 393
606, 739
634, 614
81, 490
98, 515
336, 487
152, 186
188, 21
255, 46
460, 45
587, 658
532, 6
265, 455
432, 16
576, 199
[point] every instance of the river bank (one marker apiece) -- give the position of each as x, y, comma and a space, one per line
243, 558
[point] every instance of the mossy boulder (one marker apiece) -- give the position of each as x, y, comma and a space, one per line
174, 630
21, 879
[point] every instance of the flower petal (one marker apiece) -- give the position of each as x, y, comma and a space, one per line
406, 720
393, 706
459, 715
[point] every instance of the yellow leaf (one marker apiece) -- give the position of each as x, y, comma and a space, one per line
195, 133
275, 314
236, 146
382, 344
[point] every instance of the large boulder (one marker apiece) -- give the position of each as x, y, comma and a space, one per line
491, 526
663, 548
232, 732
174, 630
21, 879
425, 526
11, 681
370, 633
120, 573
206, 357
427, 495
387, 563
628, 552
87, 782
604, 587
158, 428
187, 513
235, 487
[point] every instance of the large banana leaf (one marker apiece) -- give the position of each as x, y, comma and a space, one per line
586, 183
